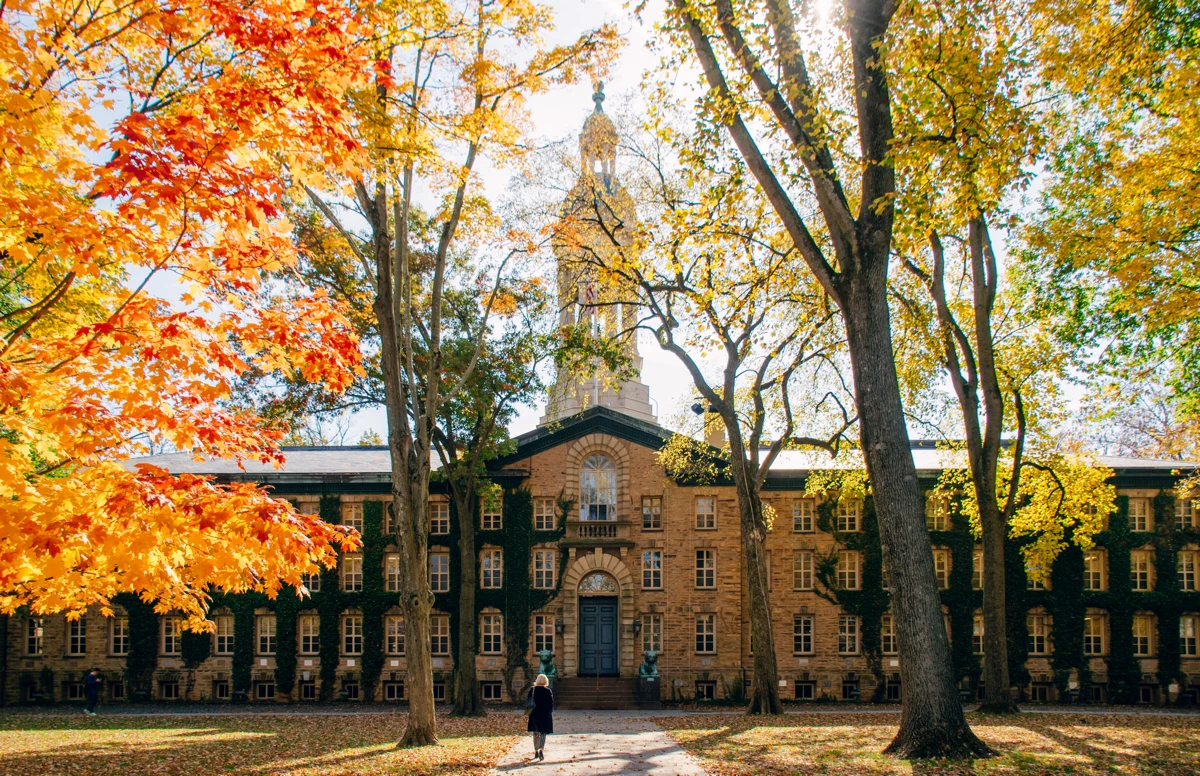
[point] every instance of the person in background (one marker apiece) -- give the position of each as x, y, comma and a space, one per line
91, 691
541, 719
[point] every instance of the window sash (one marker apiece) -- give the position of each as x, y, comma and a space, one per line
391, 572
493, 570
310, 634
848, 514
802, 570
492, 628
1139, 514
439, 518
706, 634
170, 636
119, 636
652, 513
77, 636
803, 511
802, 634
1187, 569
439, 634
352, 635
543, 514
544, 572
847, 634
652, 632
543, 632
439, 572
352, 515
352, 573
652, 578
266, 634
848, 565
1093, 635
706, 513
887, 635
706, 569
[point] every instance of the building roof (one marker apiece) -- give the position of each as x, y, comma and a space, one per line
372, 464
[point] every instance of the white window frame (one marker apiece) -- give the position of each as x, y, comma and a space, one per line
802, 634
491, 629
652, 513
223, 634
35, 635
652, 569
977, 634
848, 634
1143, 635
941, 567
543, 632
1094, 638
1185, 513
491, 565
309, 628
1095, 571
937, 513
977, 569
118, 636
439, 571
1141, 567
848, 515
1186, 562
545, 568
848, 569
439, 517
352, 634
652, 633
544, 518
1141, 518
888, 644
802, 570
804, 515
352, 572
265, 631
1039, 629
706, 569
491, 515
706, 513
1189, 630
598, 488
391, 572
706, 634
77, 637
439, 634
352, 515
170, 633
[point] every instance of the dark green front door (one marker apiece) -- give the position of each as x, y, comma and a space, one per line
598, 636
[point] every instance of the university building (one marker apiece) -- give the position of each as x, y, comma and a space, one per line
593, 552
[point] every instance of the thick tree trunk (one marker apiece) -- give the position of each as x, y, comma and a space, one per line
931, 721
764, 687
468, 701
997, 692
422, 722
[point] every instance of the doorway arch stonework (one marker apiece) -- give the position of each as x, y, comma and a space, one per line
577, 569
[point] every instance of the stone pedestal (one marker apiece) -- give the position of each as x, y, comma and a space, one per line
648, 692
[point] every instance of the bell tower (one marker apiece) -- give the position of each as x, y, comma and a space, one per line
597, 224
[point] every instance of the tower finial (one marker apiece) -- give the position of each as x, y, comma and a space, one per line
598, 96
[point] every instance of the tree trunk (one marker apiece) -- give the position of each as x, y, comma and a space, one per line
997, 690
931, 721
468, 701
422, 722
764, 687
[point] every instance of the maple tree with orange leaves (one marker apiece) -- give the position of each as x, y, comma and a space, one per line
144, 146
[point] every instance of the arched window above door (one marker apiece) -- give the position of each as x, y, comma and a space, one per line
598, 582
598, 489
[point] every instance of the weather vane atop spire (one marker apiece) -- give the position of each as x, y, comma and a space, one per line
598, 97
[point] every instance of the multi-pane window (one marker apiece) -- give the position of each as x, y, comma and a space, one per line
35, 630
352, 573
1186, 563
223, 624
393, 629
1035, 577
802, 634
1093, 635
977, 634
706, 512
543, 632
887, 635
312, 582
266, 634
1188, 626
309, 626
937, 513
1093, 570
118, 635
883, 575
1139, 515
439, 634
652, 513
848, 513
492, 628
847, 634
439, 518
492, 518
1143, 638
439, 572
391, 572
171, 631
652, 635
1185, 513
652, 578
847, 569
352, 634
706, 568
1039, 634
1140, 562
977, 569
492, 565
706, 633
802, 570
803, 515
543, 514
941, 567
597, 489
77, 636
544, 562
352, 515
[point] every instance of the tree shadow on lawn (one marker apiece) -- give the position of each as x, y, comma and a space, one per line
843, 744
256, 745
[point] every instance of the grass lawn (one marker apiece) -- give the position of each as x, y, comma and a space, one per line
1029, 744
284, 744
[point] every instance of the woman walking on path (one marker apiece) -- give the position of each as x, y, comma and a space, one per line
541, 718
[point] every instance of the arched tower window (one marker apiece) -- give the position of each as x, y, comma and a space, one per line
598, 489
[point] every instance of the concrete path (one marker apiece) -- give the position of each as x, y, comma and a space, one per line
599, 743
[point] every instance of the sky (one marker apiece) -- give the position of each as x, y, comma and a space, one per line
560, 114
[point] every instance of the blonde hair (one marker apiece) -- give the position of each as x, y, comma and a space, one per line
542, 681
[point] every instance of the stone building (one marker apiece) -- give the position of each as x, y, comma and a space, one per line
593, 552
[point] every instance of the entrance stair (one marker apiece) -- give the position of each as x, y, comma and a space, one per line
595, 693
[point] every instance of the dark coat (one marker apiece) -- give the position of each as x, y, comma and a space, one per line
91, 683
542, 718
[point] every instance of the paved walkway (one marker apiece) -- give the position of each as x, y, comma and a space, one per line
598, 743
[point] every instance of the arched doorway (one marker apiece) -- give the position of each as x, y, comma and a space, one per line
599, 625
